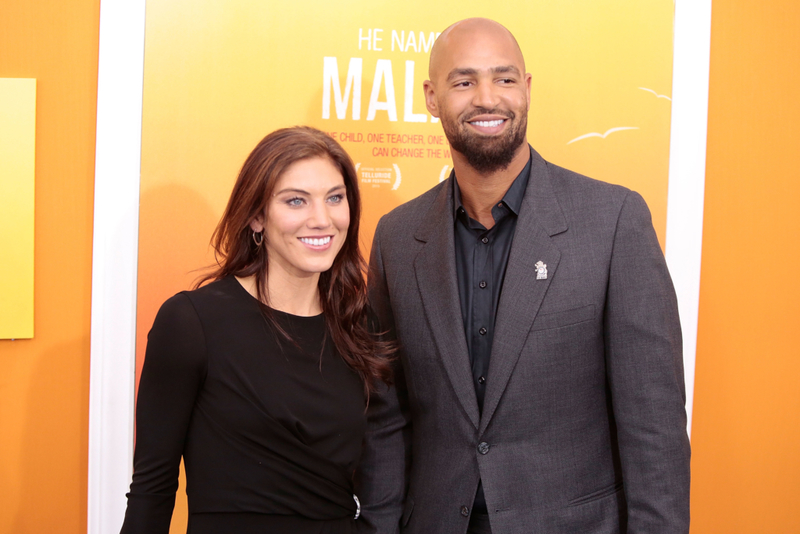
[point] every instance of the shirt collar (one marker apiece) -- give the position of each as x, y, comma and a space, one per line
513, 197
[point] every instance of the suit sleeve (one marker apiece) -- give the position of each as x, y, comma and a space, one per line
645, 373
382, 475
173, 372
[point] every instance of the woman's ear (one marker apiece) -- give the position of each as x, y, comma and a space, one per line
257, 224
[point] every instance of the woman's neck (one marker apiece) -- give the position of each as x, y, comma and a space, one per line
289, 294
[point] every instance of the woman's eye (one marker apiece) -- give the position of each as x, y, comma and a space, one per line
336, 199
296, 201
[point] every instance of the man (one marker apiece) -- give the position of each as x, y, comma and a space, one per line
540, 379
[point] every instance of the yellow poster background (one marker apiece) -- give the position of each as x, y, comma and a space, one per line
219, 75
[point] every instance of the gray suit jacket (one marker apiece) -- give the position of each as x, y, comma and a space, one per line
583, 428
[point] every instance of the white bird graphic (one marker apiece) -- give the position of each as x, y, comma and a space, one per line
657, 95
595, 134
443, 174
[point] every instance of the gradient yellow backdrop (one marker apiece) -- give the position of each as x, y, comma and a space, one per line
221, 75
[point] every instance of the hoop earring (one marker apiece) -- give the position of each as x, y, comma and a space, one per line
258, 240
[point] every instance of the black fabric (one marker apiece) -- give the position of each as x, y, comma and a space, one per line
268, 428
479, 524
250, 523
481, 260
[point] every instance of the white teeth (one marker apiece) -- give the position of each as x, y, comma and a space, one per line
488, 124
316, 242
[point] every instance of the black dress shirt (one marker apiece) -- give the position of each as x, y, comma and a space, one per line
481, 260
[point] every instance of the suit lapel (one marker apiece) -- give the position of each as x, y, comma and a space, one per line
436, 276
522, 294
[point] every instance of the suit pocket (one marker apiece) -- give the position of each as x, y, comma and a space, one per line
597, 495
563, 318
408, 507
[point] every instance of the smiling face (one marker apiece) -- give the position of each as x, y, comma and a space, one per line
306, 221
479, 89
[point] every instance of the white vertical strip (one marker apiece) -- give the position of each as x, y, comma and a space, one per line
687, 169
114, 260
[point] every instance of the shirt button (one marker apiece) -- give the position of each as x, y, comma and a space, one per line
482, 380
482, 331
483, 447
465, 511
484, 240
482, 284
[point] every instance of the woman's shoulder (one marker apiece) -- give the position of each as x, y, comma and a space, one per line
190, 303
222, 301
217, 293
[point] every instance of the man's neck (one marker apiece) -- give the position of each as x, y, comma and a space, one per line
480, 192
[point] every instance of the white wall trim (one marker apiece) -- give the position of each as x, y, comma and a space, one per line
114, 261
687, 170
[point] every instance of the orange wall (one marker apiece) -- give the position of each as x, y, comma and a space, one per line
746, 435
44, 382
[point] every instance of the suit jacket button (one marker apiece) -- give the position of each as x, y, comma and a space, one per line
483, 447
465, 511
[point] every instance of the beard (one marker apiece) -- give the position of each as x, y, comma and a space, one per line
486, 154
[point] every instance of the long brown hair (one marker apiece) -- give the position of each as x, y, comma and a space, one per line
342, 288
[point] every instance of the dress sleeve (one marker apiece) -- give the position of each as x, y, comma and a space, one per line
174, 369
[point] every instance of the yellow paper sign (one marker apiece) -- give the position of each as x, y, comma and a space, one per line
17, 151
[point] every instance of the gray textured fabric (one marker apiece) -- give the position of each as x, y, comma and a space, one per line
583, 427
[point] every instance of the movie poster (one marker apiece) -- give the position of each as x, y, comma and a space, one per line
219, 75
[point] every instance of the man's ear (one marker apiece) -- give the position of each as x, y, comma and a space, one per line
528, 85
430, 98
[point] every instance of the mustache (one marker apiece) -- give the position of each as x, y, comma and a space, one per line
485, 111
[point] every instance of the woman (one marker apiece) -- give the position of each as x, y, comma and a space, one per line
260, 379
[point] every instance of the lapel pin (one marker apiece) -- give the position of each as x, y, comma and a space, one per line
541, 270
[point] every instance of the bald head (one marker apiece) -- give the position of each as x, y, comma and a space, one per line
466, 35
480, 91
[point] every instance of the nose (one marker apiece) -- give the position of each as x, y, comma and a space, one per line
319, 217
485, 95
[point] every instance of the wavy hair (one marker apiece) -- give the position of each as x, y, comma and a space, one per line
342, 288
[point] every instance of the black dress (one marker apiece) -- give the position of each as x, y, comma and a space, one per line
270, 430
